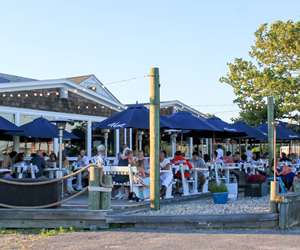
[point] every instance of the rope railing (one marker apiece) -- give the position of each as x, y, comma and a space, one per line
7, 181
47, 205
105, 187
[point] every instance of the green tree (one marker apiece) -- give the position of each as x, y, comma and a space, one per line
273, 69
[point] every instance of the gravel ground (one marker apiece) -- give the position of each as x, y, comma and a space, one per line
146, 240
206, 206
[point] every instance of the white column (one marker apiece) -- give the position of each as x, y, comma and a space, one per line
106, 142
125, 135
117, 145
202, 148
191, 147
17, 138
55, 146
173, 144
140, 138
89, 139
130, 138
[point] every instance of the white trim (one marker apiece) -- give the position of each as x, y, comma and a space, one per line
59, 83
58, 115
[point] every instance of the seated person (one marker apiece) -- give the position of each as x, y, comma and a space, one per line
228, 157
140, 163
237, 157
198, 162
296, 183
100, 157
166, 177
249, 154
243, 158
178, 160
52, 161
217, 159
19, 168
206, 158
287, 176
284, 158
38, 160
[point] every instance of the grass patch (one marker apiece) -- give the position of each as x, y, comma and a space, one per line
42, 232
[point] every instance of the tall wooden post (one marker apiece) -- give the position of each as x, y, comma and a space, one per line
270, 129
272, 152
154, 138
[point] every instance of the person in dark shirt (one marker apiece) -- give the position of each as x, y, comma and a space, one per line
284, 158
38, 160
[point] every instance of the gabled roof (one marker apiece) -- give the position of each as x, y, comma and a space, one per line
5, 78
12, 83
88, 80
79, 79
179, 106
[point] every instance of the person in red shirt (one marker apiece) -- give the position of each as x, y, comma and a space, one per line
179, 159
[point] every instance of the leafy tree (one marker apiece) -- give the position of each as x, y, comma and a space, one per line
273, 70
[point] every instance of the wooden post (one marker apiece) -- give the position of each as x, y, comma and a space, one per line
94, 181
272, 152
154, 138
270, 129
105, 197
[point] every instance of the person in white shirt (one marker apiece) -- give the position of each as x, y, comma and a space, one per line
249, 154
82, 161
220, 153
100, 158
166, 176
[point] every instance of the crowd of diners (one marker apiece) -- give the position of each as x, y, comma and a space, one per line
169, 168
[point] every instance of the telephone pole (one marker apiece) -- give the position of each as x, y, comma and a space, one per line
154, 127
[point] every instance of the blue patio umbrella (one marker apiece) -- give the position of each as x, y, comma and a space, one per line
227, 130
252, 133
135, 116
41, 128
283, 133
7, 126
186, 121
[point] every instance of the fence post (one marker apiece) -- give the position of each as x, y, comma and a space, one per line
105, 197
94, 195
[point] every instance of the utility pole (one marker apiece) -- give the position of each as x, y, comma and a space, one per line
270, 129
272, 153
154, 126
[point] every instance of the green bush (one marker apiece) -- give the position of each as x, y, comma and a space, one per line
217, 188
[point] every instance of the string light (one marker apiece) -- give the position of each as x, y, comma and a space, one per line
41, 94
35, 94
11, 95
19, 95
26, 95
3, 95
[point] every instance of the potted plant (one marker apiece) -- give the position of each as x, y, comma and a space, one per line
219, 192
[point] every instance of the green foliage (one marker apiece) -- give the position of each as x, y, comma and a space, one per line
42, 232
217, 188
56, 231
273, 70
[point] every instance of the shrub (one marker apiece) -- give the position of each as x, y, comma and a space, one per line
217, 188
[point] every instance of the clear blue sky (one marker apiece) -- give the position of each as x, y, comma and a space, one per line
191, 42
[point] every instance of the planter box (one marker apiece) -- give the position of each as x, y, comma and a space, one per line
220, 198
35, 195
256, 189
